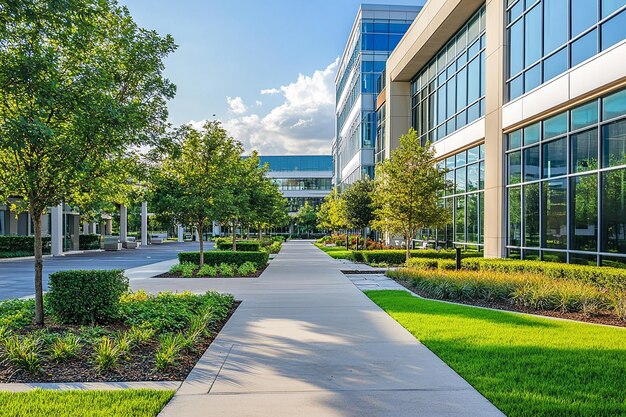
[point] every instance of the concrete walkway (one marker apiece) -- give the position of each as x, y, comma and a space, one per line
307, 342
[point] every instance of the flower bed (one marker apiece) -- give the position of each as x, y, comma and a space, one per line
151, 337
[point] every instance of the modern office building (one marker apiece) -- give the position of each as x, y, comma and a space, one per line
301, 178
376, 31
525, 102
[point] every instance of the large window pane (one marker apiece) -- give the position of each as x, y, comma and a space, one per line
554, 224
473, 80
584, 147
609, 6
461, 89
515, 139
584, 47
451, 108
481, 183
531, 163
459, 221
584, 115
584, 212
555, 158
472, 177
515, 216
531, 134
515, 167
531, 215
614, 211
614, 30
584, 15
460, 180
532, 35
555, 24
614, 105
473, 219
532, 78
614, 144
555, 126
555, 65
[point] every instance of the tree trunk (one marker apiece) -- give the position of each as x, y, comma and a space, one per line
260, 232
408, 246
38, 269
200, 235
234, 235
347, 240
248, 232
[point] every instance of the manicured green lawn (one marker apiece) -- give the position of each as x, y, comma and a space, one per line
335, 252
76, 403
526, 366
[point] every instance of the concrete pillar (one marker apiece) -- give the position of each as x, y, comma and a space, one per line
495, 188
108, 226
12, 227
217, 229
181, 233
123, 223
75, 231
86, 230
94, 228
144, 223
56, 234
398, 102
45, 224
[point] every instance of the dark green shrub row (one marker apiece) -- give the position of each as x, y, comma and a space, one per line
89, 242
259, 259
398, 257
16, 254
604, 277
86, 297
21, 243
426, 263
243, 245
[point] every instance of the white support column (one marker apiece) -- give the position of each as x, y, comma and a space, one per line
86, 228
56, 235
123, 223
217, 229
144, 223
181, 233
94, 228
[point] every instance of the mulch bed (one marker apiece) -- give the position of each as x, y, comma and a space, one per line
600, 318
138, 366
179, 275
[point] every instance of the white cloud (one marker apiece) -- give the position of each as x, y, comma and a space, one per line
270, 91
259, 103
236, 105
302, 124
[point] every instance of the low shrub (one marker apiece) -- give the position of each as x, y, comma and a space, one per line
16, 254
88, 242
84, 297
24, 351
426, 263
603, 277
207, 271
275, 247
22, 244
106, 355
16, 313
237, 258
227, 270
65, 347
169, 347
398, 257
140, 335
188, 269
242, 246
246, 268
176, 269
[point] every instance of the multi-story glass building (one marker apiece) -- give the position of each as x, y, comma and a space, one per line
376, 31
301, 178
525, 103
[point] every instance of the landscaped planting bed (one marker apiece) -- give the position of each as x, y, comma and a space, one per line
517, 291
106, 333
223, 270
217, 257
110, 403
526, 366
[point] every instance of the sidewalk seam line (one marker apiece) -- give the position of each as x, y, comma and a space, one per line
217, 374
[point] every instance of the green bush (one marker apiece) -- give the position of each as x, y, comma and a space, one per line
207, 271
275, 247
398, 257
242, 246
246, 268
16, 313
227, 270
88, 242
230, 257
15, 246
84, 297
188, 269
426, 263
603, 277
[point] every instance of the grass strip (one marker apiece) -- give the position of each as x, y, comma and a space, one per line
336, 252
526, 366
78, 403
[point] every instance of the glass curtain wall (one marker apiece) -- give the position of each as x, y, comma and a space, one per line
449, 92
465, 178
566, 189
547, 37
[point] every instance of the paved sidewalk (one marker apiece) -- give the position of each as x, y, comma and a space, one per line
307, 342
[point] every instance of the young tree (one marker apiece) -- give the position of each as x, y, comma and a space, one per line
332, 213
306, 217
405, 190
80, 83
191, 183
359, 207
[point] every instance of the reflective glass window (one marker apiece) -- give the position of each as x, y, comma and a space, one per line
461, 158
584, 147
473, 74
472, 177
516, 87
584, 212
460, 179
555, 29
609, 6
555, 126
554, 225
614, 30
584, 15
614, 144
531, 163
481, 184
515, 139
531, 134
614, 105
532, 78
584, 115
515, 167
555, 158
532, 35
515, 216
473, 154
516, 49
555, 65
459, 221
584, 47
531, 215
473, 218
614, 211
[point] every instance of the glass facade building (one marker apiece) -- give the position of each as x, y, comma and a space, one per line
375, 33
566, 185
547, 37
449, 92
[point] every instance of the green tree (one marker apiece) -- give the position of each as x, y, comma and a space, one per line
332, 212
405, 190
192, 181
80, 83
306, 217
359, 206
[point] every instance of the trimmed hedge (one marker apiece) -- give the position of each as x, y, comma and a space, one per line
398, 257
22, 244
86, 297
242, 246
89, 242
604, 277
426, 263
259, 258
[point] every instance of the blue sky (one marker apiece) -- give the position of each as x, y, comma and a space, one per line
231, 50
